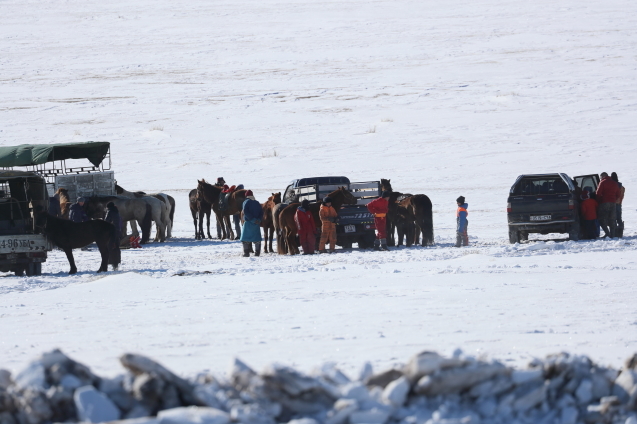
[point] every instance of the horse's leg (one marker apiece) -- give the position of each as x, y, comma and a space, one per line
133, 228
208, 224
271, 229
104, 251
226, 220
69, 256
194, 220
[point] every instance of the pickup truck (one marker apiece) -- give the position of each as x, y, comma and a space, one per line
546, 203
355, 223
23, 247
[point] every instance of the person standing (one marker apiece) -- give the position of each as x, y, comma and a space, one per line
328, 217
607, 194
112, 216
252, 216
237, 218
618, 205
589, 215
379, 208
220, 183
462, 238
77, 213
306, 227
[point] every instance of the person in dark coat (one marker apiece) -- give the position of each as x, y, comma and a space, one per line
306, 227
462, 238
251, 233
618, 205
112, 216
77, 213
54, 207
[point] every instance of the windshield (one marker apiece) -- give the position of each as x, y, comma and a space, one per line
534, 186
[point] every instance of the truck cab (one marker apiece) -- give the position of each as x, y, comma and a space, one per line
23, 247
546, 203
355, 223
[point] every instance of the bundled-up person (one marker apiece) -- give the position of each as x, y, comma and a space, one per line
588, 208
328, 217
379, 208
618, 205
112, 216
462, 237
251, 231
608, 192
77, 212
306, 227
237, 219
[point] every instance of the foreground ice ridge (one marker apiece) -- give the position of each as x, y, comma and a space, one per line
429, 389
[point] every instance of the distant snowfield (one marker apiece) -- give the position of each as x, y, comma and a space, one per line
446, 99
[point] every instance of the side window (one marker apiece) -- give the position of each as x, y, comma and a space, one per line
587, 183
290, 195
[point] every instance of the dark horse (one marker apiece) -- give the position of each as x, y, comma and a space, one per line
287, 242
410, 215
69, 235
210, 193
198, 208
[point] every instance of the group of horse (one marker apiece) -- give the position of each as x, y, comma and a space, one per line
410, 216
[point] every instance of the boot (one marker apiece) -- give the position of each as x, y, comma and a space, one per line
377, 244
246, 249
257, 249
322, 251
383, 244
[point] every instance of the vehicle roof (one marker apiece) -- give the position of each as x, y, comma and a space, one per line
320, 180
37, 154
542, 175
10, 174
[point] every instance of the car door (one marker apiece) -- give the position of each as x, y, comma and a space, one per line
588, 182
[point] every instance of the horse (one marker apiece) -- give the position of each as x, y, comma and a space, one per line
287, 223
65, 202
210, 193
398, 217
159, 204
419, 209
267, 223
129, 210
166, 198
199, 208
276, 212
69, 235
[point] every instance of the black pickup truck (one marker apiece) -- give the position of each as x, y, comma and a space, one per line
355, 223
546, 203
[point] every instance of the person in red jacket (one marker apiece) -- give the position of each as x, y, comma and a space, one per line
608, 192
306, 227
589, 215
379, 208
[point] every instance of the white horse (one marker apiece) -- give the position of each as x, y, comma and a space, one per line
160, 211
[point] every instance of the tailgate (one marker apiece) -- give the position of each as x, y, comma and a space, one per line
24, 243
539, 204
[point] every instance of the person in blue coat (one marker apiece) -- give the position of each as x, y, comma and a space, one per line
251, 233
462, 237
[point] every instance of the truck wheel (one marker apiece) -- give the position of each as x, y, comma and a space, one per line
347, 243
573, 233
34, 268
514, 235
524, 236
19, 272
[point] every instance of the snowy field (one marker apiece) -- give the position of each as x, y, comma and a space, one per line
445, 98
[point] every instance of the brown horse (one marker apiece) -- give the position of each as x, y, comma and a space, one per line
268, 223
340, 197
65, 202
199, 208
419, 208
210, 193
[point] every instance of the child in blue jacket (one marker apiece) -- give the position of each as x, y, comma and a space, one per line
461, 217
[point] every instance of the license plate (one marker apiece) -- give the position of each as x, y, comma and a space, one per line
540, 217
350, 228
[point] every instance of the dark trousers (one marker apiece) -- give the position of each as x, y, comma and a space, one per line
590, 229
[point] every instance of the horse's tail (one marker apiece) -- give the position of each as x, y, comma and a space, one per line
146, 224
424, 217
171, 201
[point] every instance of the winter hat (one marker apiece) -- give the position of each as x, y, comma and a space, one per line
305, 204
385, 194
460, 200
81, 200
220, 180
249, 193
327, 199
110, 205
240, 187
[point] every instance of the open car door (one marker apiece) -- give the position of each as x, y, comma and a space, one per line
588, 182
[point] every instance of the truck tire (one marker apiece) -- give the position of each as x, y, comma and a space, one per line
573, 233
34, 268
347, 243
514, 235
19, 272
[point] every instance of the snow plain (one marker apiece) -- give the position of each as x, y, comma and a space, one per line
446, 99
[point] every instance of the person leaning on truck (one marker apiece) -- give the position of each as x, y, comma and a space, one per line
379, 208
608, 192
588, 208
462, 238
306, 227
328, 217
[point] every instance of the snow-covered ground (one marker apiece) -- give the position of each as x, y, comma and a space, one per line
445, 98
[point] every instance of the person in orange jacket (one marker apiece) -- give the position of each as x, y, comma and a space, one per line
328, 217
379, 208
589, 215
